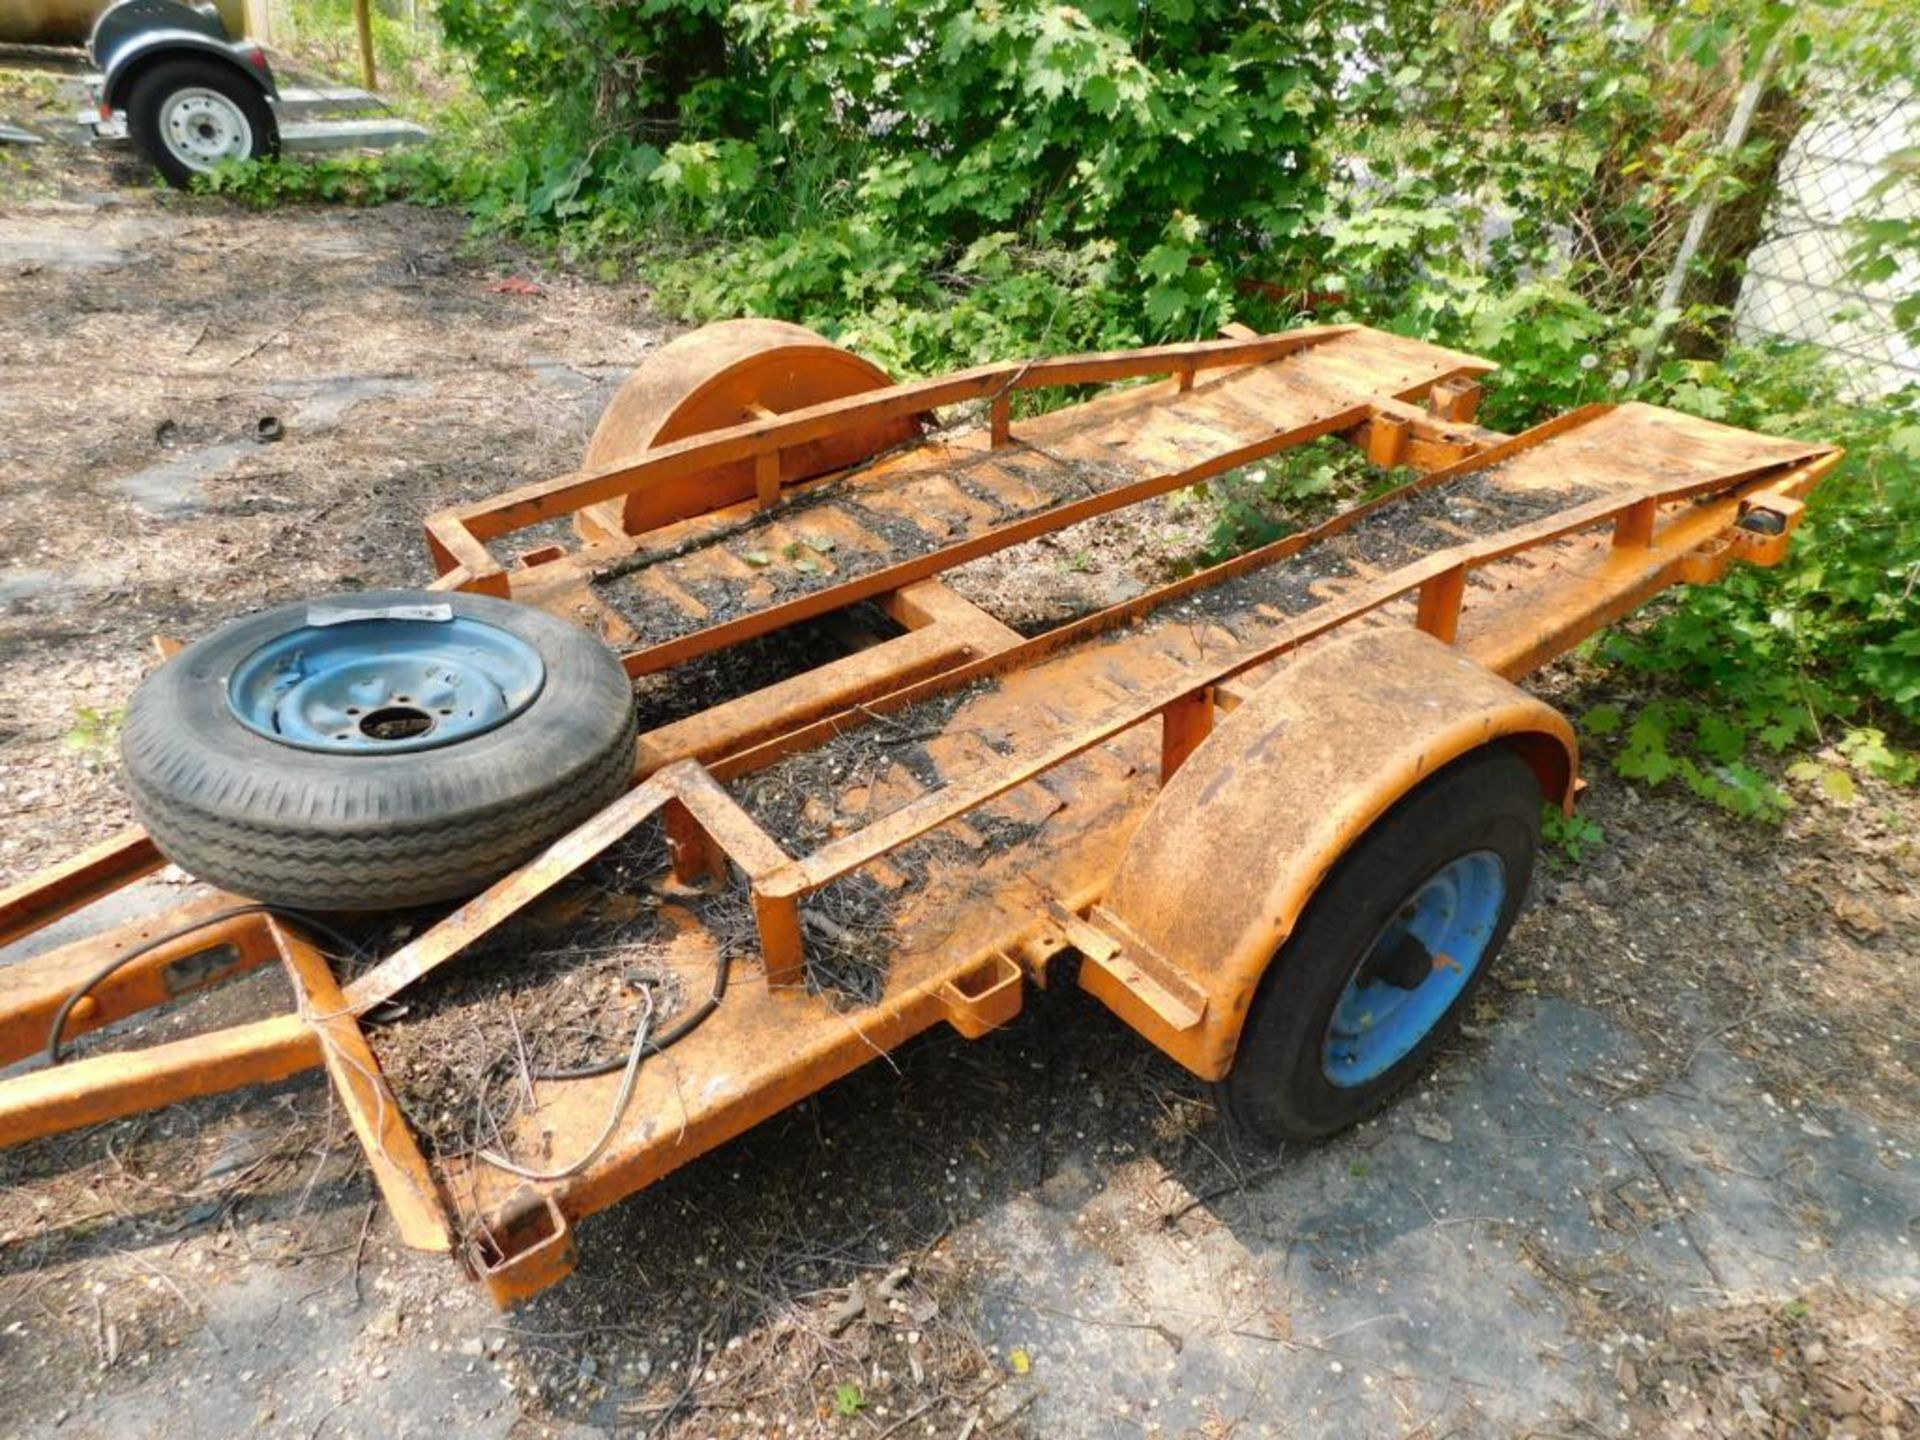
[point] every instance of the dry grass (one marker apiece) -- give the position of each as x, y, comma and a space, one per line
1833, 1363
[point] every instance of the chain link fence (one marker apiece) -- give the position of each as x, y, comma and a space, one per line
1797, 285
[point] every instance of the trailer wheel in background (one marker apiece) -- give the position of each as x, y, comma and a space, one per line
188, 115
377, 750
1389, 952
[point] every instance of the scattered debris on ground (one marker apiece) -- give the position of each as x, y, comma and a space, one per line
1833, 1363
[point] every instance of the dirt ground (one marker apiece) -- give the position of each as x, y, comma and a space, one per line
1666, 1184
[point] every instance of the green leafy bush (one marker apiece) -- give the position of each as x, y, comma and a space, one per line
1262, 503
1568, 837
936, 182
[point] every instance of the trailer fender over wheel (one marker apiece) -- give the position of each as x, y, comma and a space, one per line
376, 750
721, 375
1388, 954
1291, 793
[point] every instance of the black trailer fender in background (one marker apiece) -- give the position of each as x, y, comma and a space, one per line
130, 37
193, 99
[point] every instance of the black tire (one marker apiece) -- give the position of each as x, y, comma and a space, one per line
1278, 1089
330, 831
147, 106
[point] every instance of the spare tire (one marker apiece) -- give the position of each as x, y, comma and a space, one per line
378, 750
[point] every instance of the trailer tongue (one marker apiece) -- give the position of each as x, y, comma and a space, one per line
1280, 812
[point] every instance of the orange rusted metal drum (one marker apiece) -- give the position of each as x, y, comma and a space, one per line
722, 375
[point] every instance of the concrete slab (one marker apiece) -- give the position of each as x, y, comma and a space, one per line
1389, 1278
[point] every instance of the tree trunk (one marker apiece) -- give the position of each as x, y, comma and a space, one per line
1739, 225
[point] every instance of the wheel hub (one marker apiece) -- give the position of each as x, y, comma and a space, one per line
1415, 969
1402, 962
203, 127
383, 685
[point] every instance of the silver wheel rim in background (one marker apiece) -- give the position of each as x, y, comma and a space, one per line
202, 127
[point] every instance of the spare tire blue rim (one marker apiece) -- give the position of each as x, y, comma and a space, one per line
1415, 969
366, 683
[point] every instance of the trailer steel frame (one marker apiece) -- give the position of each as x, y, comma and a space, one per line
1086, 726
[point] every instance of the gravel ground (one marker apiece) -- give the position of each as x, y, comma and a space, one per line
1665, 1184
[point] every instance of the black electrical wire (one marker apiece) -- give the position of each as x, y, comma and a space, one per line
672, 1035
57, 1031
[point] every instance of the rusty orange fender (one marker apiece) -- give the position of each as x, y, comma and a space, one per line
1239, 840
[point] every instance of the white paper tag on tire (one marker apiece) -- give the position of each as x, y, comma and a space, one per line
323, 615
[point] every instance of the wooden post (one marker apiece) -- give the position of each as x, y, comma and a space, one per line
766, 468
1002, 418
1456, 400
363, 22
766, 478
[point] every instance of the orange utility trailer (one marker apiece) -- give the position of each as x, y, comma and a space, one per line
1277, 815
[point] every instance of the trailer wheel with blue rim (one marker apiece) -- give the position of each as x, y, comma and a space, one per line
1389, 953
377, 750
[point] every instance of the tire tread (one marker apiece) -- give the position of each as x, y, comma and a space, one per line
281, 828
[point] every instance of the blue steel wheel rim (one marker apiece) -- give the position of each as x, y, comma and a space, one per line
1452, 915
385, 685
